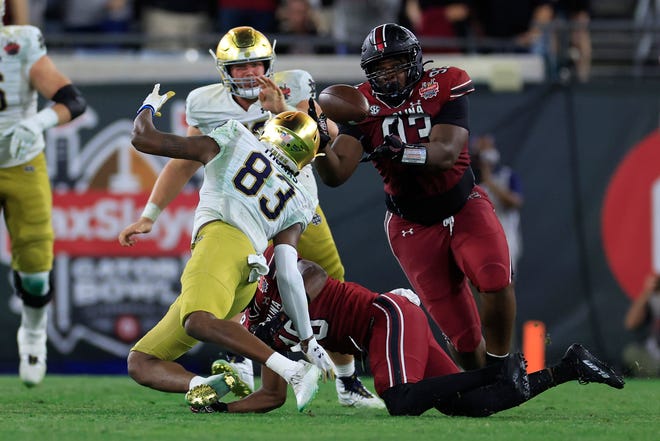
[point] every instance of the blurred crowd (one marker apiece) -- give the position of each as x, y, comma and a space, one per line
555, 29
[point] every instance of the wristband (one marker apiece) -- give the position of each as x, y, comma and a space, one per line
147, 106
414, 154
46, 118
151, 211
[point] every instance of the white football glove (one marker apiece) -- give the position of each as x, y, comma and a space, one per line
317, 356
27, 131
155, 100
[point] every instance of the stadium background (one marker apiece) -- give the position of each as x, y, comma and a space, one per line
567, 141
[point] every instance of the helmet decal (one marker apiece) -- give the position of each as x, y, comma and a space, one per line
293, 137
379, 38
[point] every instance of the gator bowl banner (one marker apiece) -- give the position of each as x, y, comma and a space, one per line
106, 296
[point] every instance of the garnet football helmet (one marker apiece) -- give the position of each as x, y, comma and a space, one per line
391, 41
295, 137
243, 44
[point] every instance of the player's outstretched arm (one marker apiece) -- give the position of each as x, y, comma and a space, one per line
294, 300
127, 235
338, 156
147, 139
340, 160
170, 182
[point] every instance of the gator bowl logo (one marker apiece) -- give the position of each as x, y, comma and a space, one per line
429, 89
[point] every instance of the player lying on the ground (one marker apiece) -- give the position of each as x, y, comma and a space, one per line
410, 376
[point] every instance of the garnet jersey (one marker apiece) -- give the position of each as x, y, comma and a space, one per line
412, 122
339, 316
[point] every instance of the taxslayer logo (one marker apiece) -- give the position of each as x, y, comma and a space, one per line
106, 295
88, 224
631, 216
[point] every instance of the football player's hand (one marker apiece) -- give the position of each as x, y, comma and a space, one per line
271, 96
317, 356
155, 100
26, 133
270, 330
23, 136
392, 148
321, 122
142, 226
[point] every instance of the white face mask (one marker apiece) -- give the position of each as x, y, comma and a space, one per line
490, 156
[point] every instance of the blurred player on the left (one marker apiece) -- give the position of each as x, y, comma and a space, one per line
25, 195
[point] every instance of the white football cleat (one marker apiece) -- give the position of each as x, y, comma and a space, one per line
32, 353
245, 370
305, 384
351, 392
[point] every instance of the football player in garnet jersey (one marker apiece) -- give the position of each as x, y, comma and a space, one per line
441, 227
411, 371
26, 71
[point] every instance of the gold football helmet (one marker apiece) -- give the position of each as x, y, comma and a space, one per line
295, 137
243, 45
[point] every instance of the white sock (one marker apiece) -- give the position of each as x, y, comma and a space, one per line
345, 370
282, 366
34, 319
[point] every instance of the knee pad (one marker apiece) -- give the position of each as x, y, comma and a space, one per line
492, 277
33, 288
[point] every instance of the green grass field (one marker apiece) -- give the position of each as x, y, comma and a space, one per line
87, 408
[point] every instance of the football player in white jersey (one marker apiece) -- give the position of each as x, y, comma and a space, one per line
251, 194
25, 195
248, 91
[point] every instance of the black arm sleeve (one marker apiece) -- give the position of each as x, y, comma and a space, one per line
71, 97
455, 112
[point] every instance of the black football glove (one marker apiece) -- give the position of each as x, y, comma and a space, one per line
321, 122
269, 331
392, 149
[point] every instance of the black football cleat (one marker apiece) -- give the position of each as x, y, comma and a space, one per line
589, 369
514, 372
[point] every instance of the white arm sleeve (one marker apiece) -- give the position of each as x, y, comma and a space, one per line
292, 289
